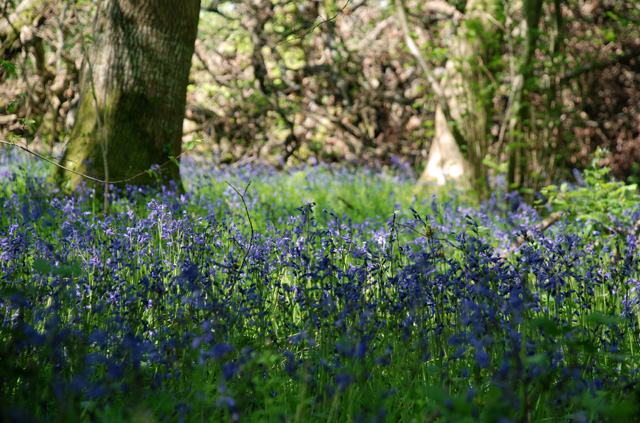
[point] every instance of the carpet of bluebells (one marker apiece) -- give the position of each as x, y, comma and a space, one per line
334, 296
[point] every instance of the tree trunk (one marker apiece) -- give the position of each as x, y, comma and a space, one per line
517, 172
133, 92
468, 87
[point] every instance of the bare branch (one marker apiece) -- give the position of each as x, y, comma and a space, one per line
246, 210
543, 226
439, 7
322, 22
9, 20
435, 84
205, 63
622, 59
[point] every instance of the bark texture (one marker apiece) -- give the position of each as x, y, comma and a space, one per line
518, 111
134, 91
468, 91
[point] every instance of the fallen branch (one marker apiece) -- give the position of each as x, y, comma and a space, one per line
543, 226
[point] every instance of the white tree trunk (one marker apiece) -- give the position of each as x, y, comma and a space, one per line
445, 163
466, 87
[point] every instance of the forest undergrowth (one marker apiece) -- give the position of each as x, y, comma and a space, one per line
321, 294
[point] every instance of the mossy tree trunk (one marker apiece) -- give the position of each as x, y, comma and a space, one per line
517, 176
468, 85
133, 91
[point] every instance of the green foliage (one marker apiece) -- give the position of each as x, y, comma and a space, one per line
149, 313
344, 191
599, 203
9, 67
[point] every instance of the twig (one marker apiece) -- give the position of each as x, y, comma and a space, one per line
429, 234
436, 87
623, 59
544, 225
246, 210
346, 203
323, 21
208, 68
48, 160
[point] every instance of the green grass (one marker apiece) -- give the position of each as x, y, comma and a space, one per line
170, 308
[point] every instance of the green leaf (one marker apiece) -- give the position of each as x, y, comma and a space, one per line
537, 359
9, 67
69, 270
597, 317
549, 326
42, 266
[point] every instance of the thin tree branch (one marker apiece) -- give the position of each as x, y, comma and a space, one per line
623, 59
204, 62
544, 225
91, 178
435, 84
8, 23
246, 210
322, 22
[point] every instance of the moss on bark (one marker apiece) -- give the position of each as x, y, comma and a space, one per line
133, 93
